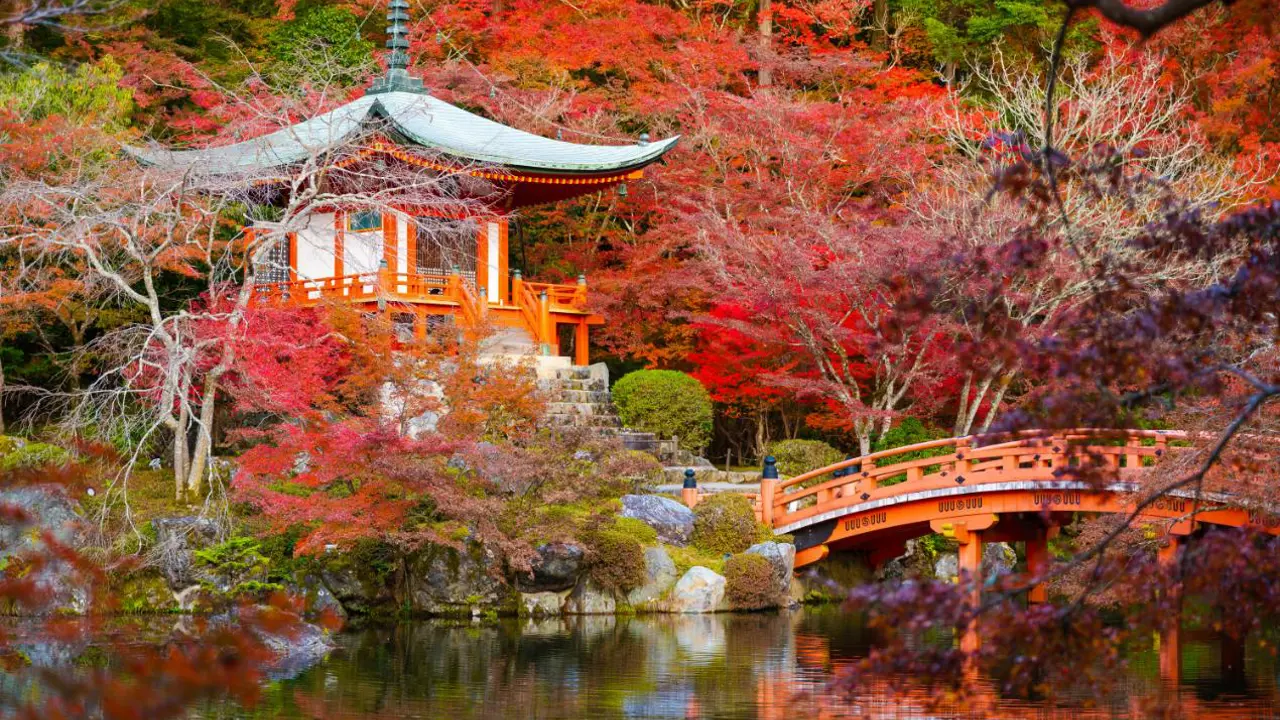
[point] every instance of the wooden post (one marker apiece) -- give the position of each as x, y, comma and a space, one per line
420, 324
292, 239
1037, 563
1171, 627
517, 287
971, 563
689, 493
768, 488
1133, 460
581, 345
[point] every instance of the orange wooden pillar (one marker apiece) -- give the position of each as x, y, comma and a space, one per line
967, 532
768, 489
581, 344
1171, 627
971, 565
1038, 562
689, 493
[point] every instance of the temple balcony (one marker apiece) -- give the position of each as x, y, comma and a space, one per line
418, 303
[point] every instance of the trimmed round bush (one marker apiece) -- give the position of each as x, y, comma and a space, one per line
724, 523
617, 560
796, 457
748, 582
665, 402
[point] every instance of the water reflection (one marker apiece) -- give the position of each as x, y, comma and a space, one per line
767, 666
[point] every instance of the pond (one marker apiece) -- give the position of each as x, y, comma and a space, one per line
767, 666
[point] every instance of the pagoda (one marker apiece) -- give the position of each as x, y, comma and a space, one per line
373, 259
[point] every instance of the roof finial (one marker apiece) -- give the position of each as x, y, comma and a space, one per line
397, 78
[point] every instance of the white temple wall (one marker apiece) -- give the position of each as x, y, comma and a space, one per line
315, 248
362, 252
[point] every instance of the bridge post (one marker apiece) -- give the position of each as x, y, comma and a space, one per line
971, 563
689, 493
1171, 629
768, 487
1038, 561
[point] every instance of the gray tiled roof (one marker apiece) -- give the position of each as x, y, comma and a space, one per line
420, 119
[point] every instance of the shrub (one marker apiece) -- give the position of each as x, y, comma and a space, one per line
796, 457
749, 582
665, 402
724, 523
17, 454
238, 563
617, 560
909, 432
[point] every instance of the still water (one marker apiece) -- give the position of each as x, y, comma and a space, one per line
767, 666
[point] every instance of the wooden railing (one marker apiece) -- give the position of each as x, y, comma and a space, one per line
954, 461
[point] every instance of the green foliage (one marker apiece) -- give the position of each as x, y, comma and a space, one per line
89, 95
642, 531
749, 582
17, 454
666, 402
908, 432
207, 27
617, 560
691, 555
238, 562
796, 457
322, 40
724, 523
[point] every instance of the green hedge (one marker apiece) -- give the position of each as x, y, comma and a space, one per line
665, 402
796, 457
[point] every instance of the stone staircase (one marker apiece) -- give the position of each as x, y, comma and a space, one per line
579, 398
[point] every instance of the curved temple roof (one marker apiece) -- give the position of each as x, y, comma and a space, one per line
419, 119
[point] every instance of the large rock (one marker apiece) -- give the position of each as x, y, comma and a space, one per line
543, 604
660, 575
701, 590
48, 509
557, 568
446, 581
782, 556
672, 520
177, 539
590, 599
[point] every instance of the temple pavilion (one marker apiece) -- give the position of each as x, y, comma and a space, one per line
465, 275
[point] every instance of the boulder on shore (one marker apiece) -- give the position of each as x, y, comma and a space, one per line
660, 574
782, 556
672, 520
700, 590
557, 568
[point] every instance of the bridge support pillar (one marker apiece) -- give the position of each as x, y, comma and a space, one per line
1038, 561
1171, 631
971, 566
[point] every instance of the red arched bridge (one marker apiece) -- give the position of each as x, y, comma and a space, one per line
1018, 490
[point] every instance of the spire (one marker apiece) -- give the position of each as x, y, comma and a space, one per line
397, 78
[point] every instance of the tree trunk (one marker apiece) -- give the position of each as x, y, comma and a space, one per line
880, 28
204, 437
180, 454
764, 23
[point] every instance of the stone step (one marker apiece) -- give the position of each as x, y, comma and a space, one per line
574, 373
576, 420
585, 396
572, 408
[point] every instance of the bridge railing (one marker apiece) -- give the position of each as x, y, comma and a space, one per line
956, 461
